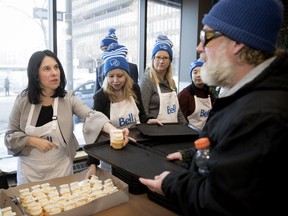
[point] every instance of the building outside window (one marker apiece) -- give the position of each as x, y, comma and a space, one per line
81, 25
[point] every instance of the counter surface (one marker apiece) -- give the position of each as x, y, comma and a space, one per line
138, 205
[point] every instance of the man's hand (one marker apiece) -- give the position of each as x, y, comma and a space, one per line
155, 185
174, 156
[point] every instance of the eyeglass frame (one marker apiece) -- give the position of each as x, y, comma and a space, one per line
203, 36
159, 58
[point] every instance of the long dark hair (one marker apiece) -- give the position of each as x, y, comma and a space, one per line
33, 89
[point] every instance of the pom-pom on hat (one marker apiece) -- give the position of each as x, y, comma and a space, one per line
254, 23
115, 57
194, 64
163, 43
110, 38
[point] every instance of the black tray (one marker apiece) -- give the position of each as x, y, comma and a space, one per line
170, 129
135, 186
136, 161
139, 160
162, 200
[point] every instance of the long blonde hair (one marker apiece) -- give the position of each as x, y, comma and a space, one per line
168, 76
127, 89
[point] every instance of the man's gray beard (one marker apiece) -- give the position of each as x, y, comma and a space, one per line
218, 71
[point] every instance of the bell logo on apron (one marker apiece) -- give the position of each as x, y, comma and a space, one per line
128, 120
171, 109
204, 113
198, 118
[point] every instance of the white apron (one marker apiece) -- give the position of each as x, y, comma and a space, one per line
124, 113
198, 118
168, 107
39, 165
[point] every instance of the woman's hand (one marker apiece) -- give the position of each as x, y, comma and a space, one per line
108, 127
125, 132
91, 171
41, 144
154, 121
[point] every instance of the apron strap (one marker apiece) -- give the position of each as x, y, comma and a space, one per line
54, 117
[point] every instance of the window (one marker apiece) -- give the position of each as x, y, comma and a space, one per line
24, 27
81, 25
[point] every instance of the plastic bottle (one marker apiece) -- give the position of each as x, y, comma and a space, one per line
202, 155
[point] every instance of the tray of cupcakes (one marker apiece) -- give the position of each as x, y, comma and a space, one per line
71, 195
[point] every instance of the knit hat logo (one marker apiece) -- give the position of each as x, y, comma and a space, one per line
114, 63
163, 46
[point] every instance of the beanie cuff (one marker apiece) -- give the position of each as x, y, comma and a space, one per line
115, 62
239, 35
253, 23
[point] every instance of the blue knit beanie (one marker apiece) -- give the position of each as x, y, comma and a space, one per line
115, 57
194, 64
110, 38
163, 43
255, 23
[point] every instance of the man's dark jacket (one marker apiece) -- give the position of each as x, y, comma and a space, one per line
248, 131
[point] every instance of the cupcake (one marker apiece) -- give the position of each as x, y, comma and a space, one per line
41, 199
37, 186
97, 186
46, 205
36, 192
35, 209
54, 199
53, 209
75, 188
53, 190
24, 195
110, 189
108, 183
53, 195
84, 193
80, 201
65, 192
116, 139
27, 200
61, 202
10, 214
92, 196
93, 178
68, 206
6, 211
46, 188
24, 190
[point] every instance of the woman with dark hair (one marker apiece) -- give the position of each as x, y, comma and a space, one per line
40, 130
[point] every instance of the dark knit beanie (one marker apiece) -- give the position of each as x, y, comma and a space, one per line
255, 23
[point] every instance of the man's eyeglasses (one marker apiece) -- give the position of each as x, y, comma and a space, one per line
158, 58
207, 35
